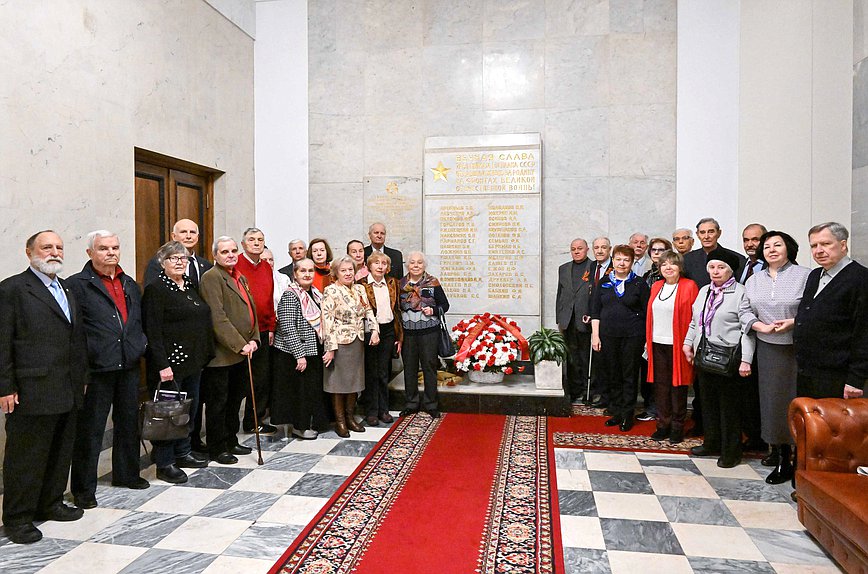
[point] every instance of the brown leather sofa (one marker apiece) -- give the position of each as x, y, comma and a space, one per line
831, 442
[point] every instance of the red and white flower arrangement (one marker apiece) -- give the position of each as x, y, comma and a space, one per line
493, 347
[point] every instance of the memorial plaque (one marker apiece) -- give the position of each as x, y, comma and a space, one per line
482, 224
397, 203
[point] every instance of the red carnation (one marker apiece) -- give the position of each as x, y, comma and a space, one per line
508, 370
521, 369
477, 367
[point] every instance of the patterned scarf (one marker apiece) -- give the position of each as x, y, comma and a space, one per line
411, 294
715, 300
618, 284
310, 306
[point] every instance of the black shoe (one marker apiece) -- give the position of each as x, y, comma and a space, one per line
626, 424
645, 416
138, 483
773, 458
23, 533
387, 418
696, 431
238, 449
599, 404
613, 422
264, 429
703, 450
190, 461
677, 437
85, 501
781, 474
608, 412
433, 413
225, 458
660, 434
372, 421
60, 512
728, 462
172, 474
408, 412
755, 445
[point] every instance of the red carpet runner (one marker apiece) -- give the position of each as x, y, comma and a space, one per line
462, 494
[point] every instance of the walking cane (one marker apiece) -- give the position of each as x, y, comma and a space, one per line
255, 418
590, 364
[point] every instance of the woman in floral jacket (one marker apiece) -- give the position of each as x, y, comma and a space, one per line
345, 309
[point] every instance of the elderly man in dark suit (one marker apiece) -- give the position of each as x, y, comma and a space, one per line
111, 306
572, 304
186, 232
297, 250
708, 231
831, 324
43, 372
236, 337
377, 235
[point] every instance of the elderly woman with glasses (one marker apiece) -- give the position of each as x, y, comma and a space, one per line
177, 323
657, 247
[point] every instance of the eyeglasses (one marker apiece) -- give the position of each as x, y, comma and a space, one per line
658, 249
177, 258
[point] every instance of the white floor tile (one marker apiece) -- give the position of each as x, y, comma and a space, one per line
204, 534
582, 532
570, 479
271, 481
629, 506
92, 522
92, 558
237, 565
342, 465
805, 568
612, 462
770, 515
181, 500
708, 467
248, 460
632, 562
318, 446
681, 485
291, 509
372, 433
716, 542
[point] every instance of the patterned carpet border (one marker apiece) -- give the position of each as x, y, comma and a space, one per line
621, 442
518, 531
343, 532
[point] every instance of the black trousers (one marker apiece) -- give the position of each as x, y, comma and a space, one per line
578, 355
36, 467
827, 386
420, 352
671, 400
599, 386
261, 363
117, 391
622, 356
721, 405
751, 419
166, 451
224, 391
378, 369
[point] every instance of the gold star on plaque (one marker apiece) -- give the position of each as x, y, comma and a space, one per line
440, 171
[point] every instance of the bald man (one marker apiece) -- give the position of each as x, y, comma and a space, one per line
187, 233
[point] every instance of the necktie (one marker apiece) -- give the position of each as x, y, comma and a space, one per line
60, 297
193, 271
749, 271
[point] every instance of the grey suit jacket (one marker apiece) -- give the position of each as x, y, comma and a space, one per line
574, 301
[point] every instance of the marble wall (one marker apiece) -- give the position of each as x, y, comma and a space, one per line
859, 231
595, 77
83, 82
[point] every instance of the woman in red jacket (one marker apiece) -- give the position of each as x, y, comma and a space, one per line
666, 323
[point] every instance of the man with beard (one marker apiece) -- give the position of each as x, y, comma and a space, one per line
43, 372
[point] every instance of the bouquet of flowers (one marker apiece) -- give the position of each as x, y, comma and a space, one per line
490, 343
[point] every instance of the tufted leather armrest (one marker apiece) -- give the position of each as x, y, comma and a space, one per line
830, 434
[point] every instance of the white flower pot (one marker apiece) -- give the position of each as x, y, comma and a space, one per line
485, 377
548, 375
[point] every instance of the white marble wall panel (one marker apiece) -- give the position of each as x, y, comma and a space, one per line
659, 16
458, 122
392, 144
336, 212
393, 81
389, 25
452, 78
339, 88
640, 141
642, 204
577, 142
860, 30
452, 22
642, 68
396, 202
336, 148
513, 75
859, 231
626, 16
577, 18
514, 121
514, 20
577, 72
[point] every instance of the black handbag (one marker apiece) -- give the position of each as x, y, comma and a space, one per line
444, 344
166, 419
716, 359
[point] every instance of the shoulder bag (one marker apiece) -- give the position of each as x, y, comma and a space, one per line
165, 419
444, 344
713, 358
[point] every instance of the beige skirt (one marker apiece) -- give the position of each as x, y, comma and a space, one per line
346, 374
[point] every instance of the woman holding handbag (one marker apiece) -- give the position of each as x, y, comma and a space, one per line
177, 323
722, 353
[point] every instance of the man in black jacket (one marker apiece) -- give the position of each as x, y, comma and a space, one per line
831, 325
43, 372
111, 306
186, 232
297, 251
377, 235
708, 231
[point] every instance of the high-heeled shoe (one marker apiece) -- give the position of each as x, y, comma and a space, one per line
784, 470
773, 458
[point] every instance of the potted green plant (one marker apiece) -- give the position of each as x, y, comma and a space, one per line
548, 350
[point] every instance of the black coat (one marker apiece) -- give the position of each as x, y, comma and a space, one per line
397, 259
112, 345
152, 271
831, 330
43, 357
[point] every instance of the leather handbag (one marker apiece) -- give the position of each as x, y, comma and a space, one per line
165, 419
444, 344
717, 359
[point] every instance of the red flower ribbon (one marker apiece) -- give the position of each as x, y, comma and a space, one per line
484, 322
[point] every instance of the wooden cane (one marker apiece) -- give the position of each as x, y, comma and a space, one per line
255, 418
590, 364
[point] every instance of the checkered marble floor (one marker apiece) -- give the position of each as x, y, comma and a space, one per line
620, 512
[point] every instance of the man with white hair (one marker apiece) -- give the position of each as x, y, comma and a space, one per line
43, 372
111, 307
641, 260
682, 240
377, 235
297, 251
186, 232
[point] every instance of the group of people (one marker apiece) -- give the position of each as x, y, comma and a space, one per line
298, 346
749, 333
